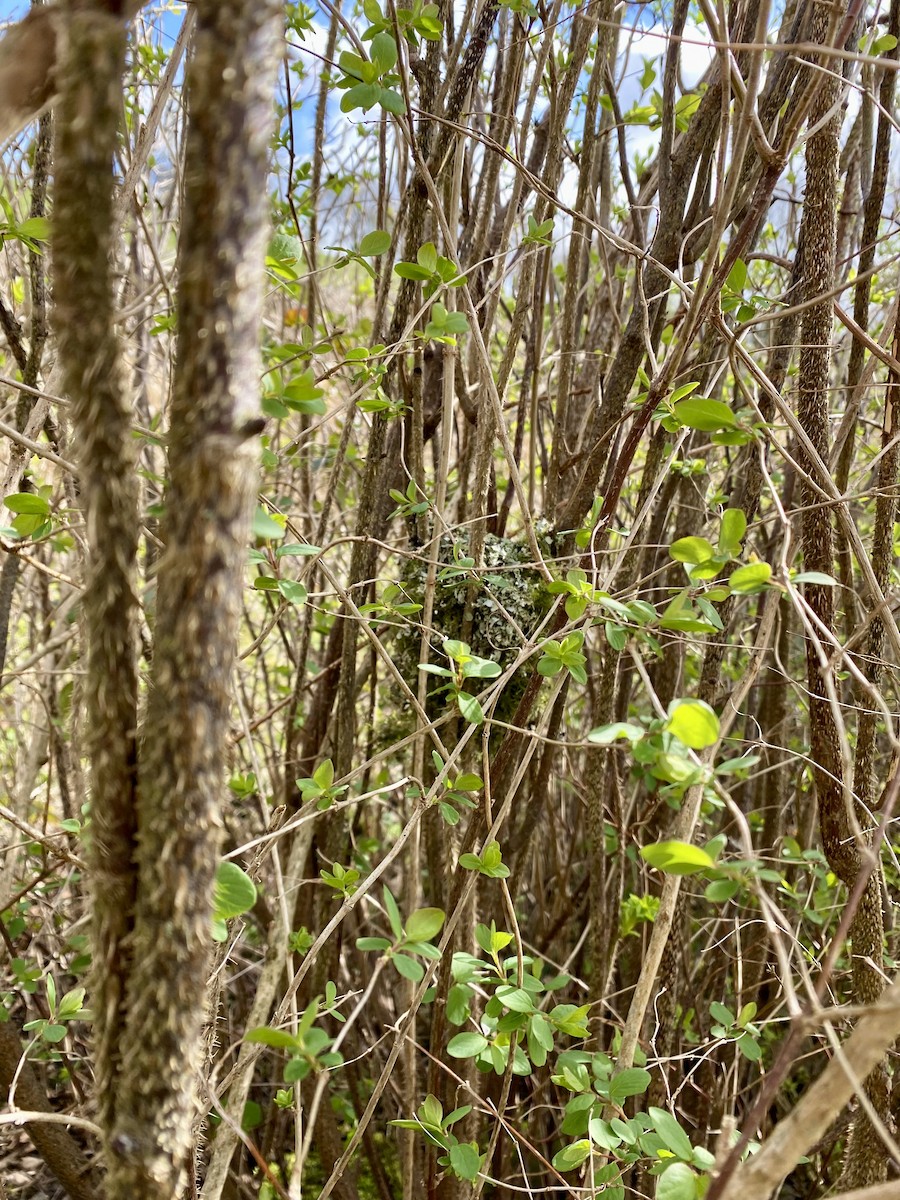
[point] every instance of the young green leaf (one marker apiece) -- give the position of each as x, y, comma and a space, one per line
732, 530
677, 858
234, 892
393, 913
465, 1161
375, 243
705, 415
752, 578
633, 1081
678, 1182
694, 723
424, 924
571, 1156
691, 550
671, 1133
470, 708
467, 1045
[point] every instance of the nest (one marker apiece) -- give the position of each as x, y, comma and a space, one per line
509, 602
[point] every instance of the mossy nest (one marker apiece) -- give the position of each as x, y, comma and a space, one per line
510, 601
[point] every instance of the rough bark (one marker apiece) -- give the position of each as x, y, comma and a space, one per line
87, 127
865, 1160
211, 487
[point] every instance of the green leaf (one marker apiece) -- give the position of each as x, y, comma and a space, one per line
749, 579
28, 503
677, 1182
252, 1116
303, 391
293, 592
737, 276
363, 95
633, 1081
677, 858
680, 615
542, 1031
458, 651
470, 708
481, 668
747, 1013
732, 530
351, 63
720, 891
572, 1156
296, 1070
467, 1045
818, 577
431, 1112
671, 1133
465, 1161
683, 392
264, 526
674, 768
457, 322
234, 892
691, 550
285, 248
457, 1115
571, 1019
694, 723
427, 258
383, 52
706, 570
36, 228
324, 774
71, 1003
518, 1000
278, 1039
492, 861
601, 1133
458, 1003
607, 734
549, 666
272, 407
393, 913
408, 967
372, 943
425, 949
749, 1047
882, 45
411, 271
577, 670
392, 102
424, 924
468, 783
704, 414
720, 1013
376, 242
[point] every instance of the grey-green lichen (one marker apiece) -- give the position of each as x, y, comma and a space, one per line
509, 602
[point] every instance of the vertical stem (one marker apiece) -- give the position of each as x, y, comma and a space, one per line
87, 138
212, 481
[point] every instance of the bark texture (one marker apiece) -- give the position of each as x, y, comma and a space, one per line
212, 482
87, 128
865, 1156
